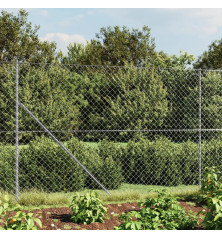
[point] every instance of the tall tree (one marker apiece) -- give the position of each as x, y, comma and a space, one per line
211, 59
115, 46
18, 38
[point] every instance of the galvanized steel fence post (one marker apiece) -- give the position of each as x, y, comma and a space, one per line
17, 131
199, 157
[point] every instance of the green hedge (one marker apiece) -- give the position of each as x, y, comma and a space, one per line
160, 162
44, 165
7, 168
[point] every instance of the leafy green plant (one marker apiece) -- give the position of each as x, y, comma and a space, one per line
161, 213
212, 182
212, 188
213, 217
20, 221
87, 208
67, 227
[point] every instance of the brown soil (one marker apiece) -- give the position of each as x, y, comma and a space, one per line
60, 218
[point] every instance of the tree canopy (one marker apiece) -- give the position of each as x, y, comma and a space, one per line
211, 59
18, 38
115, 46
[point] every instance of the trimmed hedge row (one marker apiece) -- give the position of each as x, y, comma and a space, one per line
162, 162
45, 166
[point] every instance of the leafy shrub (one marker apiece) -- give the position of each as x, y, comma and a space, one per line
7, 172
161, 213
212, 188
45, 166
212, 182
137, 100
211, 153
87, 208
111, 172
50, 92
160, 162
21, 221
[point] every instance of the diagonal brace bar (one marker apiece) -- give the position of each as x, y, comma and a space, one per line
65, 149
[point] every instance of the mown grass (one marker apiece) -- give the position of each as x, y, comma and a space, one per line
126, 193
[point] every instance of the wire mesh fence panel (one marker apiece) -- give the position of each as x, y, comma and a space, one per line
7, 126
131, 128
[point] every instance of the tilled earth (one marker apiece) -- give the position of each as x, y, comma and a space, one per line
60, 218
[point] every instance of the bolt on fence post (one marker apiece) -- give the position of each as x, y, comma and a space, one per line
17, 130
199, 156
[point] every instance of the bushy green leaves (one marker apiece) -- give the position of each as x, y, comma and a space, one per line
211, 59
139, 103
212, 190
20, 221
160, 162
161, 213
157, 162
87, 208
19, 38
46, 166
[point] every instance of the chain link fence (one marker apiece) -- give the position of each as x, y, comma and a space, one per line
67, 128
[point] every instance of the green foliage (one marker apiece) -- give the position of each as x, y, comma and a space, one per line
7, 174
139, 102
87, 208
44, 156
19, 38
161, 213
128, 98
212, 190
211, 59
115, 46
111, 171
213, 218
160, 162
51, 93
212, 182
157, 162
52, 101
211, 103
45, 166
75, 55
20, 221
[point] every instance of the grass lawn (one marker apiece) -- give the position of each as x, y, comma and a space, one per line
126, 193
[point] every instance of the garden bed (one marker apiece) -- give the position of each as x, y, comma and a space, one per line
60, 218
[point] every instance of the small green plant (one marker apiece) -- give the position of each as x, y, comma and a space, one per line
77, 227
115, 215
67, 227
212, 182
212, 190
193, 204
161, 213
21, 220
87, 208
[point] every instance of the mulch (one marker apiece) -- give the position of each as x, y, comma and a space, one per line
60, 218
